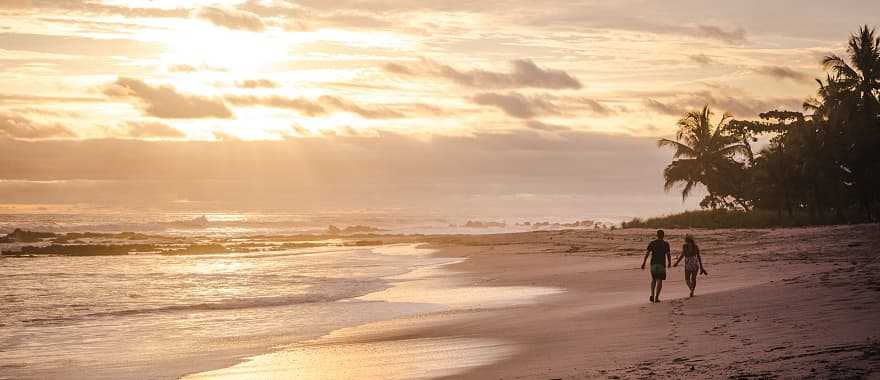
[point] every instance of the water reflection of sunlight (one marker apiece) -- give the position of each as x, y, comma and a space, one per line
212, 279
207, 266
226, 217
404, 359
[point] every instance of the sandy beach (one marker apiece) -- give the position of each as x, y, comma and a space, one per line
786, 303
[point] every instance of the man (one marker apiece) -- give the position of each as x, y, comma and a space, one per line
661, 258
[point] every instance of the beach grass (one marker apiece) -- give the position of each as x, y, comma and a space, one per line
723, 219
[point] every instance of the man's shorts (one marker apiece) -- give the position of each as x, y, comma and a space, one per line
658, 271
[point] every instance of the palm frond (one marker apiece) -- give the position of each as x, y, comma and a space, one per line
683, 170
681, 150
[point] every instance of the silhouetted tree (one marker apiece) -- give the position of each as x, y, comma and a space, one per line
824, 160
855, 106
704, 154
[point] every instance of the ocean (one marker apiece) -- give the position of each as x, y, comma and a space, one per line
127, 316
149, 315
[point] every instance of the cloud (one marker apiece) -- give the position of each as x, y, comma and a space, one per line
427, 110
701, 59
296, 131
95, 26
735, 36
165, 102
147, 129
354, 20
44, 111
781, 72
31, 99
223, 136
76, 45
376, 112
302, 105
300, 129
525, 74
256, 83
517, 105
541, 126
595, 107
528, 106
91, 7
740, 104
299, 17
17, 126
232, 18
185, 68
663, 108
182, 69
328, 104
761, 18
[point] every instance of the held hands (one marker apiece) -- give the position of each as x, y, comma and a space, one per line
643, 266
703, 272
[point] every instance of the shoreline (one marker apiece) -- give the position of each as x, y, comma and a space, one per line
433, 284
753, 316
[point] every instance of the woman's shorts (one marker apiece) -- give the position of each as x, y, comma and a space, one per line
658, 271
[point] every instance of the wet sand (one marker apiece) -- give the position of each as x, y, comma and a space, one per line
777, 303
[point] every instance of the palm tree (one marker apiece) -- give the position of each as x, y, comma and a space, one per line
861, 79
704, 154
828, 146
855, 105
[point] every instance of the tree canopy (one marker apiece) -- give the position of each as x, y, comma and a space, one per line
823, 161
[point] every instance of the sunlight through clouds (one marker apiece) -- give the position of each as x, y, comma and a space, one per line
406, 66
239, 52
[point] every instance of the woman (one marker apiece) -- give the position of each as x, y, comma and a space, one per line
693, 263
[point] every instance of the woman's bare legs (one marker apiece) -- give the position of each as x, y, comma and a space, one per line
691, 279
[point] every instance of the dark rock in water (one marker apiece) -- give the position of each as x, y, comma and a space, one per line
363, 243
360, 229
197, 222
198, 249
22, 236
307, 244
83, 250
333, 230
115, 249
74, 237
479, 224
200, 221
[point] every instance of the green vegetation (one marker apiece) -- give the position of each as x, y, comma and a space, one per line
722, 218
821, 166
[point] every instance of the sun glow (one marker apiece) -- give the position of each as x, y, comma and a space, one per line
238, 52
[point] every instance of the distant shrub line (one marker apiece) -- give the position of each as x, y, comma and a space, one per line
721, 218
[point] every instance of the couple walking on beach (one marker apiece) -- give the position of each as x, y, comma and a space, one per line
659, 251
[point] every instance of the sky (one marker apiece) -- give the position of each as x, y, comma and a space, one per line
490, 107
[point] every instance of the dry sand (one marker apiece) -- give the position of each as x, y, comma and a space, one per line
787, 303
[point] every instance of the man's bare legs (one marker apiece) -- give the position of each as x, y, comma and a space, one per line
656, 286
659, 287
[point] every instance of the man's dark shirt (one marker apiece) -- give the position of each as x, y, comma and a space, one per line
659, 249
